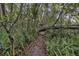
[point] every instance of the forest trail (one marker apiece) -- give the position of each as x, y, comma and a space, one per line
37, 47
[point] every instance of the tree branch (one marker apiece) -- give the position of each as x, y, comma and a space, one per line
59, 16
59, 27
9, 36
3, 9
17, 17
11, 8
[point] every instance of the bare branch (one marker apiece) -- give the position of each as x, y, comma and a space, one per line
60, 14
17, 16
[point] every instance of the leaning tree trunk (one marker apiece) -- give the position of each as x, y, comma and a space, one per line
37, 47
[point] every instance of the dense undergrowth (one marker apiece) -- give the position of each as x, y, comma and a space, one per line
63, 44
58, 44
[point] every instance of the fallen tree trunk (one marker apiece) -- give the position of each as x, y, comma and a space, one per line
59, 27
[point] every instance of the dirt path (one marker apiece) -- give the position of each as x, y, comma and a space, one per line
37, 47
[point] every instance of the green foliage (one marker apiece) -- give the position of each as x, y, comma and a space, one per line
66, 46
58, 41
